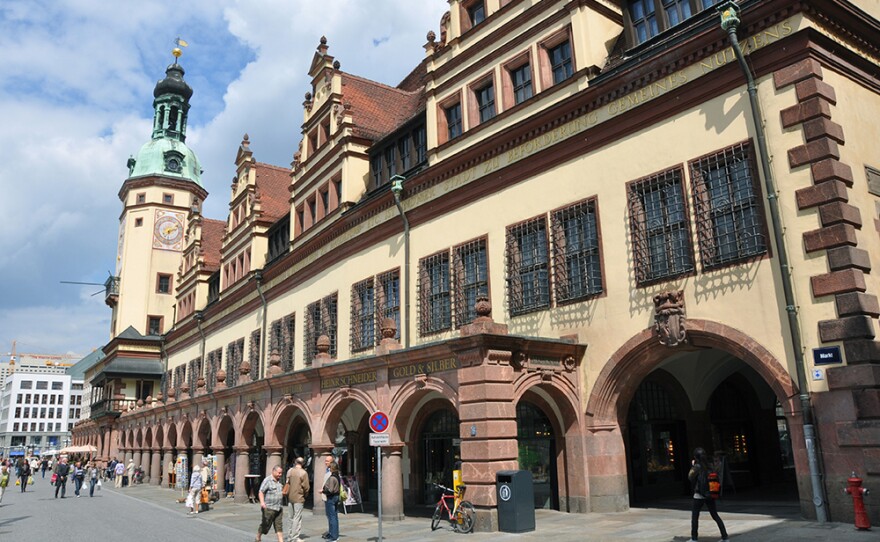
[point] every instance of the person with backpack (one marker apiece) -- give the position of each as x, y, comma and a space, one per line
699, 477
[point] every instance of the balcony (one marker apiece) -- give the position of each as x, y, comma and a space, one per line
111, 291
111, 407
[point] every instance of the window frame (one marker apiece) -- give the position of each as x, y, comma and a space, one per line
170, 278
428, 296
661, 17
513, 252
161, 320
560, 257
363, 315
508, 90
475, 106
463, 313
546, 47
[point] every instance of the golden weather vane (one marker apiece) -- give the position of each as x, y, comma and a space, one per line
177, 50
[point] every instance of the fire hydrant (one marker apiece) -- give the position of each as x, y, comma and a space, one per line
854, 488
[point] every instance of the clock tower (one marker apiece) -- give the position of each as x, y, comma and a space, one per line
163, 185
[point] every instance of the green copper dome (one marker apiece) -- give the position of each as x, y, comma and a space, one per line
166, 154
168, 158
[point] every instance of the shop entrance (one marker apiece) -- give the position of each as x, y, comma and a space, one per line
440, 450
537, 453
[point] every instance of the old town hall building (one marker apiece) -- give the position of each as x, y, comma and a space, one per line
580, 238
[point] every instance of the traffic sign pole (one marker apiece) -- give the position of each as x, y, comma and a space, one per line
379, 423
379, 474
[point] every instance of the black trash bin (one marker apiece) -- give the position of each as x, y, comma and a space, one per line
515, 495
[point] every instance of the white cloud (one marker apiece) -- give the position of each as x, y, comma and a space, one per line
76, 80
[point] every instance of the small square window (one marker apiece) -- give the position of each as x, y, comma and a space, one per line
141, 198
168, 199
154, 325
138, 222
163, 284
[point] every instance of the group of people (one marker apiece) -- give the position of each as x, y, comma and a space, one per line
62, 471
295, 487
121, 474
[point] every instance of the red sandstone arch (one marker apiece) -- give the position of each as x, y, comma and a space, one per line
248, 422
408, 396
334, 408
185, 435
202, 434
160, 436
282, 417
222, 426
620, 377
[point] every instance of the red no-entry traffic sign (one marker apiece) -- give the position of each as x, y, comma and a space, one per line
379, 422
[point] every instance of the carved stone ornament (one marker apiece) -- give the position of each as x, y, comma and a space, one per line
519, 359
245, 368
421, 381
569, 363
669, 318
275, 363
221, 378
251, 405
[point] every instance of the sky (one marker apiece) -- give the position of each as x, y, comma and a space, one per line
76, 84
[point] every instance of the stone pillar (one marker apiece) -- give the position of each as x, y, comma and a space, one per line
273, 458
198, 455
136, 457
486, 413
221, 473
147, 462
156, 468
318, 482
241, 468
606, 465
392, 483
166, 458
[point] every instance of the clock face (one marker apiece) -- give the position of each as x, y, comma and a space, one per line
173, 164
168, 232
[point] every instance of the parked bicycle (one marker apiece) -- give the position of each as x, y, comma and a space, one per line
461, 514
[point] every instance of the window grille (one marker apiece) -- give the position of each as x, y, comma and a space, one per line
527, 267
659, 227
363, 315
275, 341
577, 265
215, 361
195, 371
167, 378
435, 302
320, 319
288, 328
471, 279
727, 209
388, 299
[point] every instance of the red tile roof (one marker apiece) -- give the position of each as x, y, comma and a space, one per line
272, 187
377, 109
212, 240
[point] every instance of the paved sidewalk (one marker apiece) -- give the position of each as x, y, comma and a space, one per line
641, 524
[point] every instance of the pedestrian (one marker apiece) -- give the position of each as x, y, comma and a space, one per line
62, 470
129, 474
206, 475
298, 480
330, 496
44, 466
230, 477
4, 478
93, 478
195, 486
24, 475
118, 472
270, 504
169, 468
699, 478
79, 475
111, 469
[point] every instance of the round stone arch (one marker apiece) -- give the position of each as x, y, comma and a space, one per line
246, 425
148, 437
557, 399
625, 370
334, 409
280, 419
202, 433
184, 436
405, 401
221, 426
159, 436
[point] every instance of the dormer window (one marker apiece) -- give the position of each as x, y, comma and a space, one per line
173, 162
647, 18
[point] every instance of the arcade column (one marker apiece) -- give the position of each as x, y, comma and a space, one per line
241, 469
318, 480
156, 467
392, 483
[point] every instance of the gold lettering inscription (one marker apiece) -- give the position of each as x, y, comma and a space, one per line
427, 367
348, 380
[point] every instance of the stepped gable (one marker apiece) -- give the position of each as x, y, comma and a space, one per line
212, 239
273, 189
377, 109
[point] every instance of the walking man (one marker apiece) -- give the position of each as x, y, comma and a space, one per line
117, 471
44, 466
298, 479
62, 470
698, 477
270, 503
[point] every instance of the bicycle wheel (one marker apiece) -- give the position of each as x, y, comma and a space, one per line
465, 517
435, 519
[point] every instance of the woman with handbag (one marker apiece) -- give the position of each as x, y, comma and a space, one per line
93, 479
25, 474
330, 494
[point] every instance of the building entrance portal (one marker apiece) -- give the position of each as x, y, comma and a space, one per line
440, 450
714, 400
537, 453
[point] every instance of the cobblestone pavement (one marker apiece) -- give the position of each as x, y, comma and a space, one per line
147, 513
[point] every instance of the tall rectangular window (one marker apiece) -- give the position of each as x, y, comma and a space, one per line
388, 299
521, 78
154, 325
659, 227
435, 303
320, 319
576, 263
528, 271
363, 315
486, 102
403, 152
453, 120
390, 163
288, 331
560, 61
727, 207
471, 279
420, 140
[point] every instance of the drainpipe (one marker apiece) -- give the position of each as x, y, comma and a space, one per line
397, 189
729, 22
199, 317
258, 277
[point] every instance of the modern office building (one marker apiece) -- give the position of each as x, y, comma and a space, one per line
581, 238
37, 412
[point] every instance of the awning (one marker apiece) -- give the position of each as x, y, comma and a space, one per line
78, 449
13, 453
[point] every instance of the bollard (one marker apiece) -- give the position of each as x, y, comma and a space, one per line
854, 488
